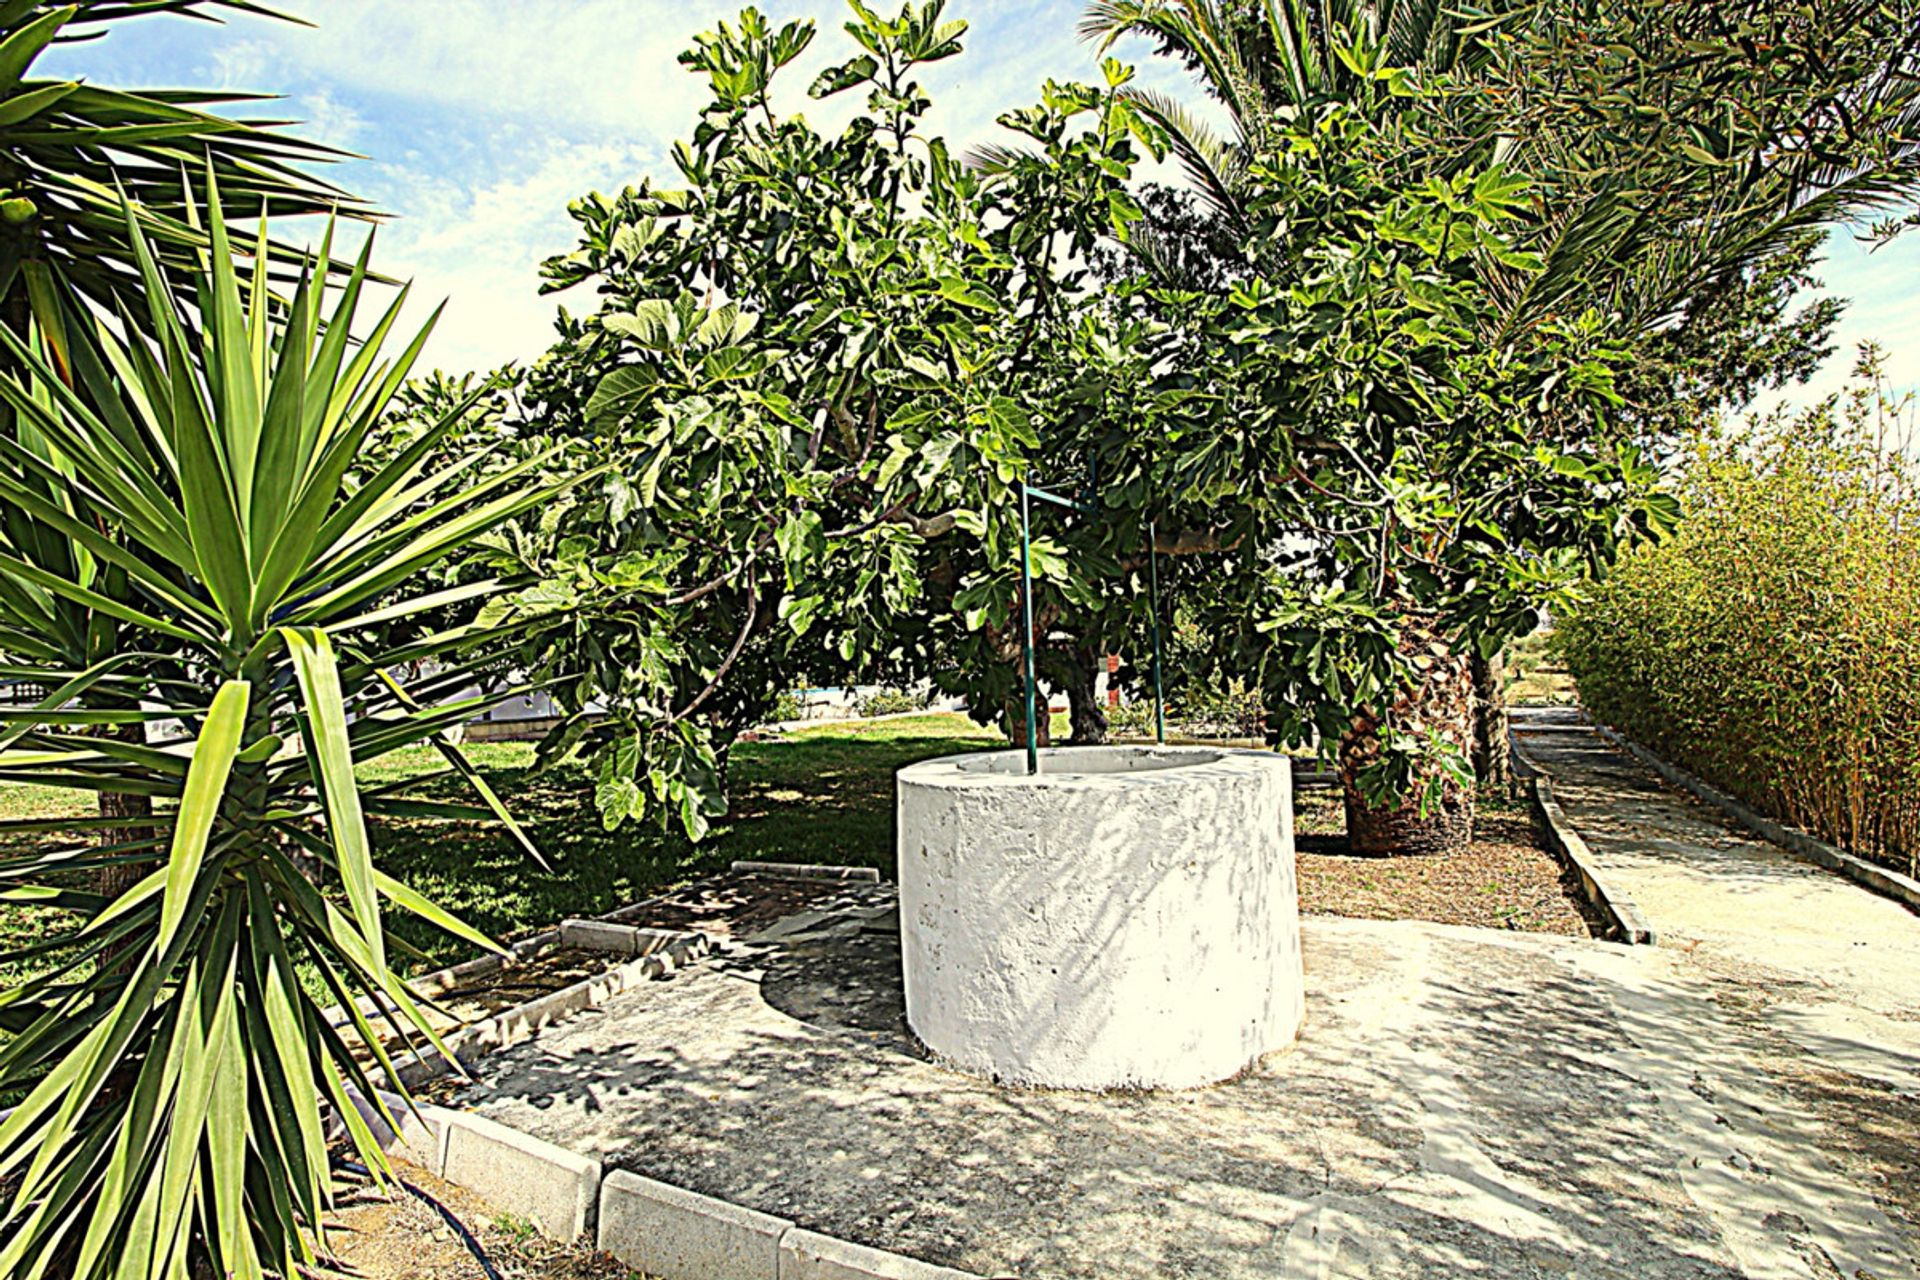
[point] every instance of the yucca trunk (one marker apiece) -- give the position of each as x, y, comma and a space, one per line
1435, 815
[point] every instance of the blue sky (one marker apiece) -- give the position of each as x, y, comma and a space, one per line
479, 120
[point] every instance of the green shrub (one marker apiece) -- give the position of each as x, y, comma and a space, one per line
1772, 646
1234, 711
1131, 719
890, 702
1230, 712
788, 706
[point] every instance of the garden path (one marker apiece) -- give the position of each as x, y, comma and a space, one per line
1839, 965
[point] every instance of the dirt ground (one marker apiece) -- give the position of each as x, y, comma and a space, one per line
446, 1236
1504, 881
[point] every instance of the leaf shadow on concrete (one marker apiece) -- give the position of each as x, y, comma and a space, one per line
1461, 1103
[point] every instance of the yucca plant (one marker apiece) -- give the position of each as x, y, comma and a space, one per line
171, 1055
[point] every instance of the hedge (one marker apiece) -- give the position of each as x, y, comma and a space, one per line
1772, 644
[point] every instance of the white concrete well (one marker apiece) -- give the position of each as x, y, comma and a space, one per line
1127, 918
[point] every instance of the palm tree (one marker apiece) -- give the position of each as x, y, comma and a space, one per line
71, 152
197, 466
1647, 190
1262, 59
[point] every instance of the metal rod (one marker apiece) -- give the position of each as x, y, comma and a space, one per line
1056, 499
1153, 598
1026, 632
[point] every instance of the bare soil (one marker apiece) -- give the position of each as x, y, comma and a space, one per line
722, 907
727, 907
1882, 1124
1504, 880
375, 1235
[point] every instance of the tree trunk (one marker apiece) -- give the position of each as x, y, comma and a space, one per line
112, 881
1492, 749
1088, 717
1017, 721
1441, 700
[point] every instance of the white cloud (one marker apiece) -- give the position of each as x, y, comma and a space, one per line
1881, 285
603, 64
479, 246
242, 64
484, 120
327, 119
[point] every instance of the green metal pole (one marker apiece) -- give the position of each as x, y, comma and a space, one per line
1026, 633
1153, 599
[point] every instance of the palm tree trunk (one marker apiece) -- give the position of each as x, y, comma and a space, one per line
1492, 750
1441, 699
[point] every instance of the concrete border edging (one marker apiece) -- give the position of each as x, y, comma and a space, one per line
666, 1231
681, 1235
806, 871
553, 1188
808, 1255
1566, 844
1882, 880
670, 1232
522, 1021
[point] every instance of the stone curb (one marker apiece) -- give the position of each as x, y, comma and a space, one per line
1626, 923
808, 1255
523, 1021
806, 871
599, 935
665, 1231
553, 1188
682, 1235
1882, 880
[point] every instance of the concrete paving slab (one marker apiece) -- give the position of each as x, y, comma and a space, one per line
1462, 1102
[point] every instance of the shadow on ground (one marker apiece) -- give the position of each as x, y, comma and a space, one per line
1462, 1102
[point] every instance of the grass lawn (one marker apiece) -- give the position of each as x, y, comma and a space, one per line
820, 794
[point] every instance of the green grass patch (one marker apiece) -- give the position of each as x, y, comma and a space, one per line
820, 794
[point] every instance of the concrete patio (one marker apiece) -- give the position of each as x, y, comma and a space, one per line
1462, 1102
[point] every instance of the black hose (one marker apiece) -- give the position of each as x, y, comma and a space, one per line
458, 1227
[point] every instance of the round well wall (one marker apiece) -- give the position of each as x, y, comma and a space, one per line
1126, 918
